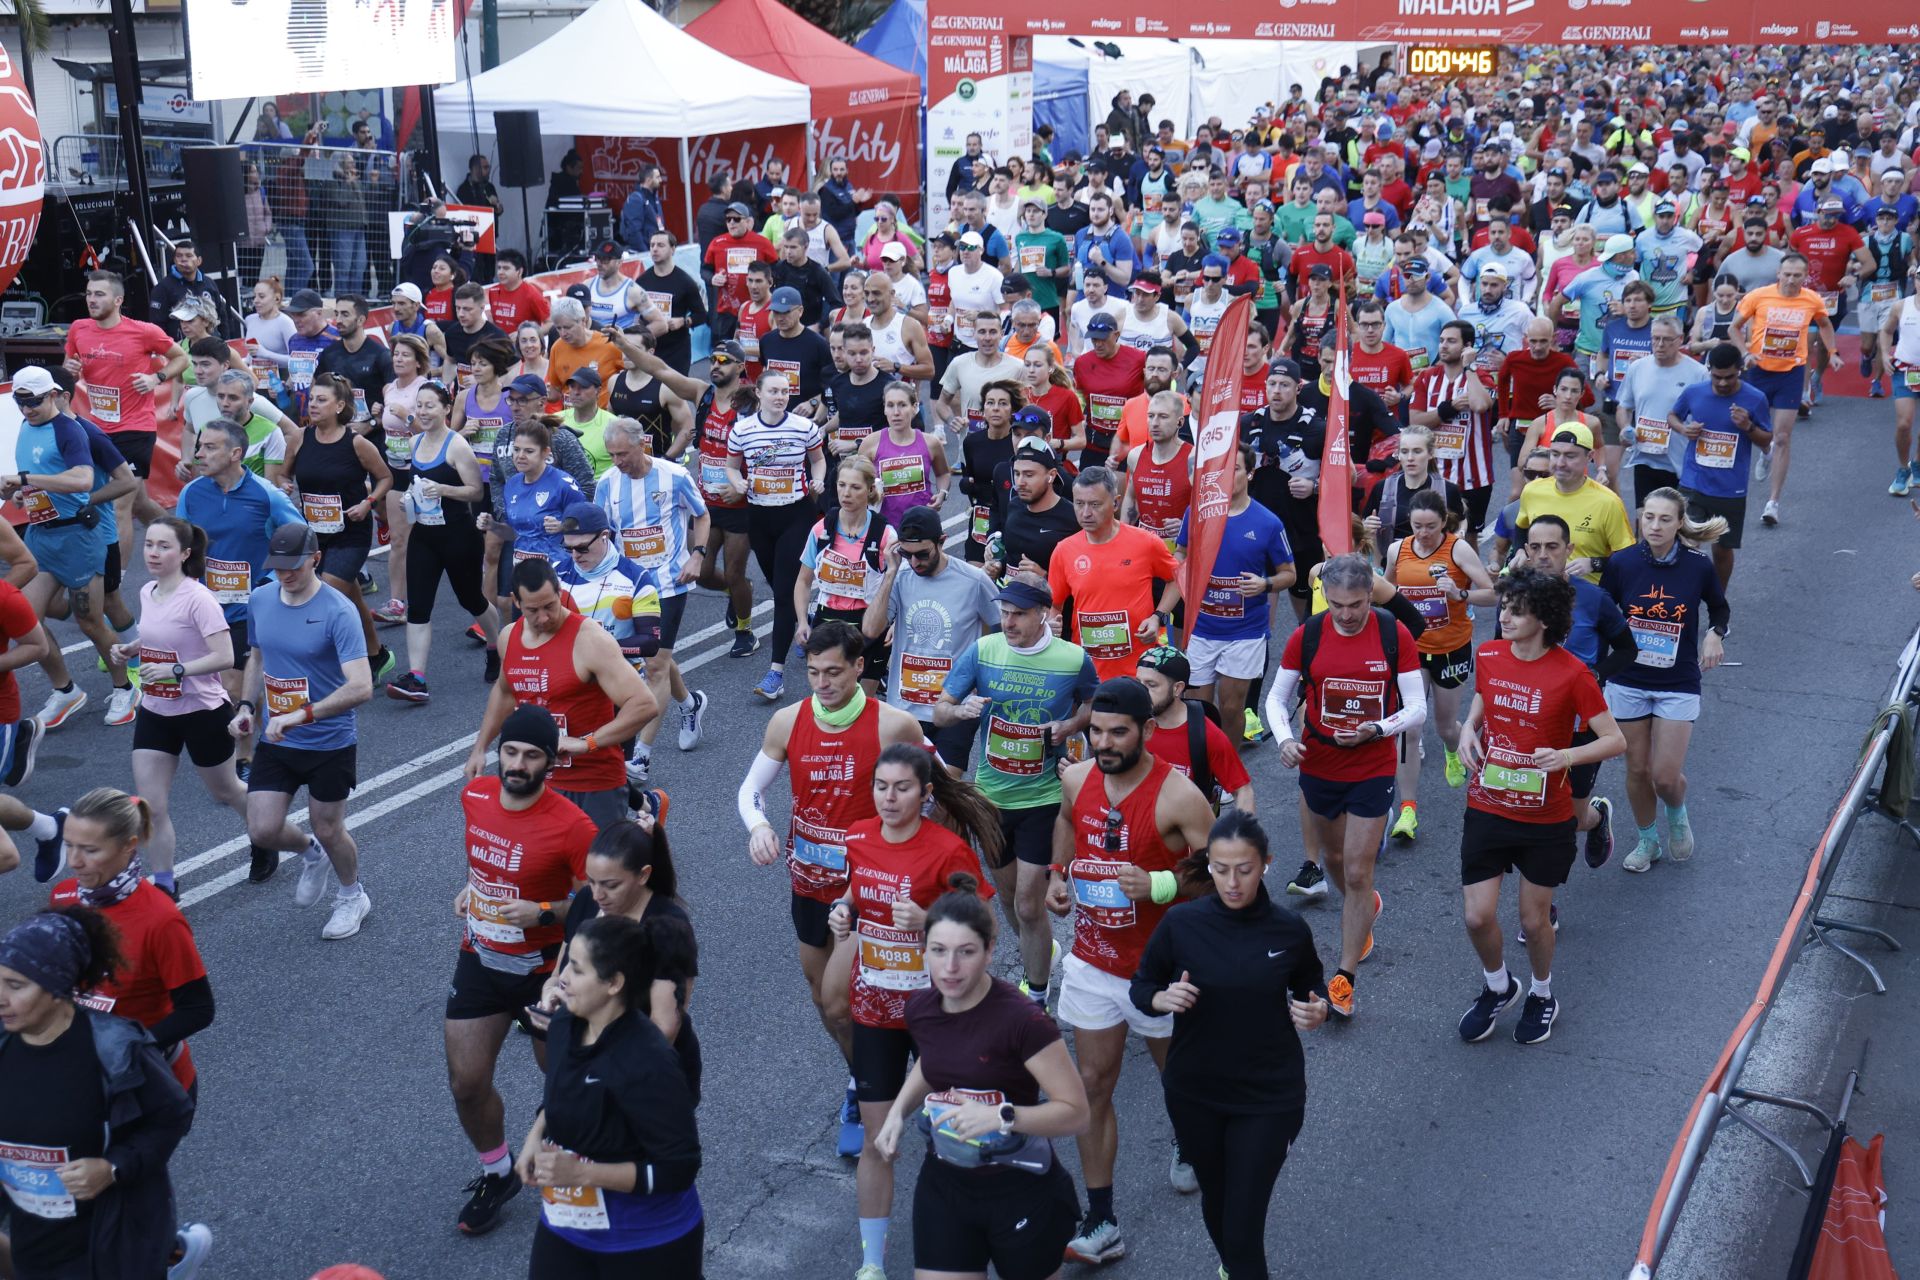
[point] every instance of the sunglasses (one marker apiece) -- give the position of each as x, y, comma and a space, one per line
577, 548
917, 556
1536, 475
1213, 279
27, 400
721, 360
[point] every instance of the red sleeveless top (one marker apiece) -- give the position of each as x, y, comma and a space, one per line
1110, 930
1161, 491
830, 772
544, 677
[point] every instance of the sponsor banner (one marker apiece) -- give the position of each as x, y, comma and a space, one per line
614, 164
977, 82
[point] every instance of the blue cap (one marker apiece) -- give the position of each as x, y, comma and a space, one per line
583, 517
1034, 416
529, 384
1024, 595
786, 298
1226, 236
1103, 323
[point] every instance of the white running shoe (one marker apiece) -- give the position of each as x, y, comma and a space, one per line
121, 704
348, 913
693, 723
58, 706
315, 870
1770, 514
196, 1242
1762, 464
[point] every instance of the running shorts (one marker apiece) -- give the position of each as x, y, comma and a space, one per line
479, 992
965, 1220
1449, 670
201, 734
880, 1059
328, 776
1491, 846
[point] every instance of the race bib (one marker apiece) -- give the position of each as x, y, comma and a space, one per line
1106, 409
1097, 893
738, 260
28, 1175
714, 482
1658, 641
286, 694
360, 402
790, 369
300, 368
167, 688
1223, 598
1348, 704
979, 528
1650, 433
1017, 750
1832, 301
575, 1208
1884, 291
750, 345
38, 504
1450, 442
399, 449
891, 959
323, 511
780, 482
646, 545
105, 405
1716, 449
842, 577
939, 321
903, 473
1912, 377
852, 435
1513, 780
486, 904
1428, 600
1622, 361
1033, 257
1417, 356
922, 678
662, 302
421, 510
817, 856
1780, 342
1107, 636
231, 581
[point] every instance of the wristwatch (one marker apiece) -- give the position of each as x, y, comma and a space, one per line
1006, 1117
547, 918
179, 671
1166, 619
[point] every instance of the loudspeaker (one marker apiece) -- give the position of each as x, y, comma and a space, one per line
216, 200
521, 164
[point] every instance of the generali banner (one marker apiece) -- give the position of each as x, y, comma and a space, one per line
1475, 21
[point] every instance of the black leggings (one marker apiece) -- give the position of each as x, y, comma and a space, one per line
778, 535
556, 1259
1236, 1157
459, 553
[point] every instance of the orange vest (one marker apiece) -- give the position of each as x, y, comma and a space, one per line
1448, 627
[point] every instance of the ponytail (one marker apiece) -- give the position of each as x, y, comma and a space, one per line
961, 905
969, 814
124, 819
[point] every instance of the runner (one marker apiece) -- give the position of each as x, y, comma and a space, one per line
1038, 518
662, 520
482, 412
969, 373
727, 536
1253, 565
1647, 394
911, 464
1346, 763
551, 658
355, 356
1892, 252
897, 865
1772, 324
409, 359
841, 567
935, 613
615, 301
1529, 698
342, 479
857, 397
982, 452
1108, 570
1109, 375
1287, 438
602, 584
1117, 843
311, 681
1592, 510
1184, 731
899, 340
22, 640
1235, 1076
532, 498
1836, 257
984, 1109
1900, 344
1662, 585
777, 462
526, 853
1388, 510
443, 502
1159, 474
829, 745
1454, 399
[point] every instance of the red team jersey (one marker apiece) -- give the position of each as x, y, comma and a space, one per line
1378, 370
714, 485
1351, 686
1528, 705
1174, 746
1462, 445
545, 677
1110, 930
156, 943
1161, 490
1827, 251
512, 307
109, 360
890, 963
535, 855
830, 772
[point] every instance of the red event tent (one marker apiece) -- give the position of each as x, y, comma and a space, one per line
863, 108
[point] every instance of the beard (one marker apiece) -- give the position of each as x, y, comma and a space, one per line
1121, 761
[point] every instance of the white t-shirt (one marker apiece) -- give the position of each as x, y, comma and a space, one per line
1082, 312
977, 292
908, 292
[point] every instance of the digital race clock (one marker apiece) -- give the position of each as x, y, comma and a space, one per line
1459, 62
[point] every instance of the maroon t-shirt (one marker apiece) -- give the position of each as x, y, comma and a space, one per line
980, 1055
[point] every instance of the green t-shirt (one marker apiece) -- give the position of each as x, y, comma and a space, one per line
593, 438
1294, 222
1024, 691
1034, 251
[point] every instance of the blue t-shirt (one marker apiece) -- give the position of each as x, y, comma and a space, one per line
1117, 247
1254, 542
1595, 618
239, 523
302, 649
528, 506
651, 517
1417, 332
1716, 464
1620, 345
106, 460
1595, 290
1018, 770
48, 448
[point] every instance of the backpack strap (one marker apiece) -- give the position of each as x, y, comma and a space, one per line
1199, 766
1389, 649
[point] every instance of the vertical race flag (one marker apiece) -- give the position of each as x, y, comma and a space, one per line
1216, 434
1336, 466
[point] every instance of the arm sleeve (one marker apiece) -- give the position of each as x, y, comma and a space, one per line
1277, 709
1413, 704
752, 799
192, 1012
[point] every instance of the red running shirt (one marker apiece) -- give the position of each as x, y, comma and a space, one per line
109, 359
1110, 930
536, 855
830, 772
17, 622
1351, 686
159, 955
545, 677
890, 964
1526, 706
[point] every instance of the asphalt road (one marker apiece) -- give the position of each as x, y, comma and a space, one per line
326, 1134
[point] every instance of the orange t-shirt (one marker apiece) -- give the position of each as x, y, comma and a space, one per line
1777, 326
565, 358
1133, 424
1111, 584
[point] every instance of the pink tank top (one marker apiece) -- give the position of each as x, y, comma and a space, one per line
906, 476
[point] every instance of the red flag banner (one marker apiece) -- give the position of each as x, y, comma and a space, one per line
1336, 466
1216, 434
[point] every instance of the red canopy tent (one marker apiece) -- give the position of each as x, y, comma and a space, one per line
864, 109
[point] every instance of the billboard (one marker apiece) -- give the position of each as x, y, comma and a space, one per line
264, 48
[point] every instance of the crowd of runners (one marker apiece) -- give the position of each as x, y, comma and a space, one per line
1588, 303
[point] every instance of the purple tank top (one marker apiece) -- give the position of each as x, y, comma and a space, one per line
906, 475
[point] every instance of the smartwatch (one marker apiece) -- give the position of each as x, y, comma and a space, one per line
1006, 1117
179, 671
547, 918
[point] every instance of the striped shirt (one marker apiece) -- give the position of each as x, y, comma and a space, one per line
1462, 444
773, 457
651, 517
619, 595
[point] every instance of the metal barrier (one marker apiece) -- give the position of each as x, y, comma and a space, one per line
317, 216
1722, 1096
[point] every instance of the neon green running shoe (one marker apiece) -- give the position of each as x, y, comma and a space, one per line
1407, 825
1456, 769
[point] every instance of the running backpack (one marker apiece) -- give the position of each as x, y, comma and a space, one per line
869, 543
1201, 768
1389, 649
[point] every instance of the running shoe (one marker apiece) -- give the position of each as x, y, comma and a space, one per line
1680, 839
120, 706
1407, 825
1308, 882
492, 672
194, 1242
771, 686
1806, 410
1600, 839
1644, 855
1553, 918
853, 1134
1255, 730
1902, 482
490, 1193
1026, 989
58, 706
1180, 1174
1378, 906
389, 613
1340, 997
348, 914
1875, 390
26, 748
409, 688
870, 1271
315, 870
477, 634
637, 769
384, 662
693, 721
1476, 1024
1099, 1241
262, 864
1762, 463
1456, 769
745, 645
1770, 514
1866, 367
1536, 1019
364, 581
48, 854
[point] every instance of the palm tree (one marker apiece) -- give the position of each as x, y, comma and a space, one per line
34, 32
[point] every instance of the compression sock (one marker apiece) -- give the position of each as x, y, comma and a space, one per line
1677, 814
497, 1162
873, 1242
43, 826
1542, 987
1650, 834
419, 673
743, 624
1100, 1204
1497, 979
